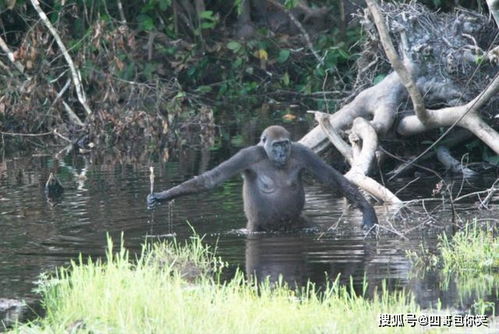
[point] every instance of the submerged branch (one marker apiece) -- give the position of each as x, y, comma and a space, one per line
452, 164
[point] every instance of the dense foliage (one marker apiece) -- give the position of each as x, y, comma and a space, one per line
150, 65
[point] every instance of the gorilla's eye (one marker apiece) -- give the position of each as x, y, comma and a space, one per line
281, 143
264, 139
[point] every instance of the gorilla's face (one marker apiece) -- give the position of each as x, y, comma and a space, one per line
275, 140
279, 152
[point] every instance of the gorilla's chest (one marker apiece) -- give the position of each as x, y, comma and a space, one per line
268, 179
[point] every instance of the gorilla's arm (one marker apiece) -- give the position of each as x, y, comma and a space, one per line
210, 179
331, 177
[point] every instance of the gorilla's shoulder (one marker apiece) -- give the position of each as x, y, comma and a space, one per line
299, 148
255, 152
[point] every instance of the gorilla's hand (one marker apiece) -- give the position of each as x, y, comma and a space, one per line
154, 198
369, 218
151, 201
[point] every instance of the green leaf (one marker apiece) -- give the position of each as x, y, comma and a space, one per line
285, 79
146, 23
203, 89
164, 4
149, 69
234, 46
283, 56
207, 14
180, 94
237, 141
290, 4
207, 25
237, 63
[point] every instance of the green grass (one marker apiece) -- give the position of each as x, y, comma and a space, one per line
472, 249
173, 288
470, 260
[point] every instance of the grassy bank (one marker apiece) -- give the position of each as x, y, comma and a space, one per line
173, 288
472, 249
470, 261
471, 258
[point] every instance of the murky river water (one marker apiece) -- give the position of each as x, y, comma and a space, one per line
108, 196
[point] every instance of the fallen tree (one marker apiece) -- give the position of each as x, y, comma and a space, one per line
444, 74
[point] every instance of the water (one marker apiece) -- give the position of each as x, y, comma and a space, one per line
107, 196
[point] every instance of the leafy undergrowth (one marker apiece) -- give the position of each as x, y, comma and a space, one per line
156, 293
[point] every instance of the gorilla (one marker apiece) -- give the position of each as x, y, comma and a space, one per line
273, 190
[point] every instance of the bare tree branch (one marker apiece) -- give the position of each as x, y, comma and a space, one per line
398, 66
465, 116
74, 73
494, 9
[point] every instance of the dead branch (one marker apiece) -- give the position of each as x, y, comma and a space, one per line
484, 204
381, 101
398, 66
26, 134
74, 73
61, 92
121, 11
333, 136
465, 116
360, 156
55, 132
451, 141
365, 142
10, 56
494, 9
72, 115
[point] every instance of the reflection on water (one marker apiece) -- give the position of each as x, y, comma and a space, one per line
108, 196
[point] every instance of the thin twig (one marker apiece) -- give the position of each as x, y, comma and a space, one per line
122, 13
26, 134
72, 115
151, 178
74, 73
61, 93
494, 9
407, 185
393, 230
492, 188
61, 136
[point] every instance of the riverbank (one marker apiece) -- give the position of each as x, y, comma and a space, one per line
177, 288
